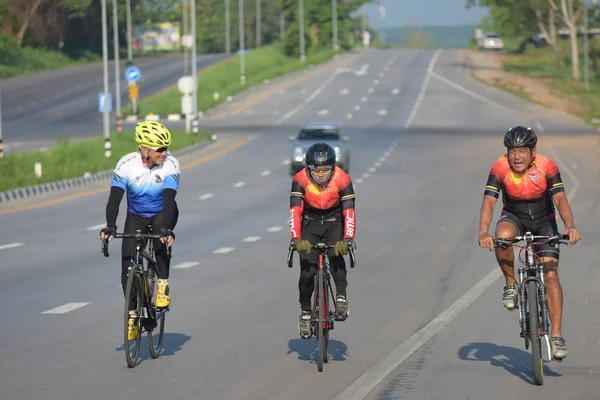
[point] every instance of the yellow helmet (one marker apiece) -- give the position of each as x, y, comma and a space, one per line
152, 134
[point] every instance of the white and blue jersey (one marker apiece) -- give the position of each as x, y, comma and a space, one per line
144, 186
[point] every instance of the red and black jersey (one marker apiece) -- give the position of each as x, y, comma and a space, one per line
333, 201
526, 194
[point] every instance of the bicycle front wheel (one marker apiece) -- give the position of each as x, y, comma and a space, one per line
134, 310
155, 334
534, 331
322, 310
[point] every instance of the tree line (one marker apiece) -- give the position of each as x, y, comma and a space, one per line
527, 17
73, 25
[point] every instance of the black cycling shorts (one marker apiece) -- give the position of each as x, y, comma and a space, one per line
540, 227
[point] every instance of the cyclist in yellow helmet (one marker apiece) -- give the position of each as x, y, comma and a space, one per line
150, 176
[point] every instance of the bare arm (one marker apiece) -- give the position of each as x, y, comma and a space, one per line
486, 213
566, 214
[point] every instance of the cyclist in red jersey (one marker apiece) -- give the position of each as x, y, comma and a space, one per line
531, 186
321, 210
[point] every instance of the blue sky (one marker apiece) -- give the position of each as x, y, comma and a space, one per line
424, 12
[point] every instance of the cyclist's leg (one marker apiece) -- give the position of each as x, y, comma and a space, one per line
335, 233
163, 262
549, 259
132, 223
311, 231
508, 225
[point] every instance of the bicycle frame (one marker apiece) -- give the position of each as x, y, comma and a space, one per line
532, 271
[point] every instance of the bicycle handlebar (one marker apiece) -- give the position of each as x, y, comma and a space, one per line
504, 243
136, 235
320, 247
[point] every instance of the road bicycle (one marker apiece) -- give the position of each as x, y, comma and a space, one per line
140, 296
323, 317
534, 318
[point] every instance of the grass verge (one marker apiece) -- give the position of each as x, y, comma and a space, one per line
224, 78
71, 159
541, 64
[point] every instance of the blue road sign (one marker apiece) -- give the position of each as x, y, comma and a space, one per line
101, 101
133, 74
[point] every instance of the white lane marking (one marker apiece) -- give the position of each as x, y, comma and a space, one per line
11, 245
65, 308
372, 377
382, 112
265, 173
421, 95
223, 250
364, 99
359, 180
366, 175
299, 107
344, 92
469, 92
286, 162
357, 107
205, 196
362, 71
274, 229
95, 227
381, 74
371, 170
349, 115
377, 164
239, 184
382, 159
323, 112
252, 137
396, 91
564, 167
187, 264
252, 239
387, 154
376, 82
371, 90
539, 125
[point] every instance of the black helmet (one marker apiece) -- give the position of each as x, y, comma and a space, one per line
519, 136
320, 155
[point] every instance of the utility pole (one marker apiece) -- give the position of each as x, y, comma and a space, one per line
258, 24
117, 62
227, 29
586, 50
301, 24
334, 24
281, 25
241, 29
105, 119
184, 14
194, 61
1, 145
129, 35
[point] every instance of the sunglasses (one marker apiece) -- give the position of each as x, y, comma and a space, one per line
320, 169
158, 149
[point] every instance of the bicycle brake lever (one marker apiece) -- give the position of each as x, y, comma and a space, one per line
104, 247
290, 259
352, 258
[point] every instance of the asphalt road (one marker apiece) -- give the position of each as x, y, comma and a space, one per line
426, 319
41, 107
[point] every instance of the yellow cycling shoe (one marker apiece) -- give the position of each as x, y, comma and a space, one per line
163, 299
132, 329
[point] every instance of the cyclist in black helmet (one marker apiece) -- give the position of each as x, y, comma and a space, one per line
321, 210
531, 187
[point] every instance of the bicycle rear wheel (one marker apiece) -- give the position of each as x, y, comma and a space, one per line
322, 310
155, 334
134, 302
534, 330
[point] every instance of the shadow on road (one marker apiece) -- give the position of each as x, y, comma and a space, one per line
172, 343
516, 361
308, 350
